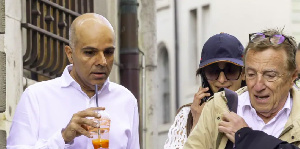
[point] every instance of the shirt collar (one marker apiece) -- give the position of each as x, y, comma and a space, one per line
67, 79
287, 106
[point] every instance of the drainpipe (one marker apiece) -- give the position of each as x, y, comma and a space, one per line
2, 72
176, 55
2, 81
129, 51
2, 59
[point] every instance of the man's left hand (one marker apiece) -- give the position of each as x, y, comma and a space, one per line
230, 124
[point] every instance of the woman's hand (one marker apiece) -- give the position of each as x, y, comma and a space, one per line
196, 109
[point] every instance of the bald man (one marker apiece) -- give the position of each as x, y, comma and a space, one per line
56, 113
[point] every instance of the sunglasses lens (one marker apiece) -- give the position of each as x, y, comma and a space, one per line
277, 39
232, 72
257, 37
212, 71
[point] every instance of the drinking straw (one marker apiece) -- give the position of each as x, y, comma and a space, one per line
96, 92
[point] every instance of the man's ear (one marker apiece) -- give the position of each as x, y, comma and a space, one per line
69, 53
294, 76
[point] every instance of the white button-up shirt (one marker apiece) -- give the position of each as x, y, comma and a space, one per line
274, 127
46, 108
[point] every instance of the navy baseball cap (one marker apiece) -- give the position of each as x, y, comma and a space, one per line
222, 47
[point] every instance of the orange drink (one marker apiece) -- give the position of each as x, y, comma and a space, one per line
100, 143
100, 136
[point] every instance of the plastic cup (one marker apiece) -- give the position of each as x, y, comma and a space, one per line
100, 136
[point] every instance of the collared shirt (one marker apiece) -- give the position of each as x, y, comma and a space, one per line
45, 108
274, 127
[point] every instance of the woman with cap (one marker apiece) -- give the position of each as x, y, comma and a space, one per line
220, 67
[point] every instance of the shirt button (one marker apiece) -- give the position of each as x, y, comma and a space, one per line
218, 118
293, 137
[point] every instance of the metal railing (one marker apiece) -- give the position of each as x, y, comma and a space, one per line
47, 32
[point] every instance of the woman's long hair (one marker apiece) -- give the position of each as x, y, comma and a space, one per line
205, 84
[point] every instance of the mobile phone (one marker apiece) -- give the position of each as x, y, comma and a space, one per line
204, 99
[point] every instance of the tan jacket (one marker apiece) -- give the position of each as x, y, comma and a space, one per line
205, 135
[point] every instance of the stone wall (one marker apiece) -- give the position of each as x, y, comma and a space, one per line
12, 46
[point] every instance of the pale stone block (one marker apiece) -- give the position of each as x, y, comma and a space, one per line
13, 9
2, 16
296, 6
109, 9
296, 16
2, 42
4, 124
162, 4
100, 7
111, 15
295, 30
14, 65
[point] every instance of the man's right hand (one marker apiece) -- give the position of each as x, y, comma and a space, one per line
79, 123
230, 124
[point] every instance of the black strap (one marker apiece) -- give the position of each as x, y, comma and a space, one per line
232, 100
232, 103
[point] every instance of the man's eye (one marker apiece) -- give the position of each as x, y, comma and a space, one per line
109, 52
88, 52
270, 75
251, 74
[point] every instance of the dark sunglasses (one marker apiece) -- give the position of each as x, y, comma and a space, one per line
231, 71
275, 39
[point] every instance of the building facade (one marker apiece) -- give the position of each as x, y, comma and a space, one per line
32, 30
14, 31
184, 26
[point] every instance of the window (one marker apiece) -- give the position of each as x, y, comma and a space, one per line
193, 47
164, 89
205, 23
47, 32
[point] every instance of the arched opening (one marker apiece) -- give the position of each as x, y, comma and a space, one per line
164, 104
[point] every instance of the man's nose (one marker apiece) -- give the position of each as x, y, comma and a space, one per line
222, 78
101, 59
259, 83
